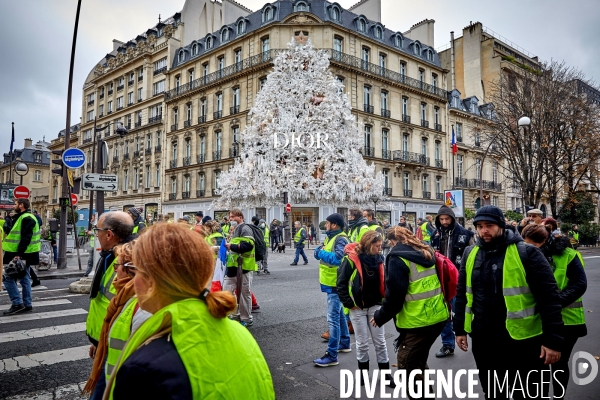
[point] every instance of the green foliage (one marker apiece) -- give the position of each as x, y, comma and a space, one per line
469, 214
513, 215
589, 230
578, 208
70, 216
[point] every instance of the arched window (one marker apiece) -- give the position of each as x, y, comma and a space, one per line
336, 14
241, 27
429, 55
268, 14
195, 49
417, 48
362, 25
181, 56
398, 40
301, 7
209, 42
224, 35
378, 32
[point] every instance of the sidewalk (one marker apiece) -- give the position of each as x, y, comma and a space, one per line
72, 270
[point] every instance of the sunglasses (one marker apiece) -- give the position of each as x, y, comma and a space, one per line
129, 269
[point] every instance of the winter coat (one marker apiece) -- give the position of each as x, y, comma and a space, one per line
397, 278
451, 241
489, 307
345, 272
27, 227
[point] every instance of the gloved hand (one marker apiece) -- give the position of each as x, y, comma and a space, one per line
317, 250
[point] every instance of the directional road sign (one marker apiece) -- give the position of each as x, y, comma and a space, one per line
73, 158
103, 182
21, 192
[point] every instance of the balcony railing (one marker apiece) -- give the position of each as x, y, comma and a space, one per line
216, 155
475, 184
387, 191
368, 151
152, 120
138, 124
217, 114
100, 115
126, 156
216, 192
130, 104
136, 153
140, 78
406, 118
386, 154
369, 108
386, 113
400, 155
91, 103
424, 123
140, 100
87, 140
185, 195
172, 196
119, 108
157, 149
128, 126
130, 83
202, 119
201, 158
116, 159
148, 151
427, 195
407, 192
439, 196
477, 143
109, 112
173, 164
187, 123
187, 161
200, 193
173, 127
107, 133
234, 110
160, 70
234, 151
110, 92
101, 96
120, 87
459, 137
438, 127
439, 163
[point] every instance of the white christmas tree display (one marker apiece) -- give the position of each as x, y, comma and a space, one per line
302, 139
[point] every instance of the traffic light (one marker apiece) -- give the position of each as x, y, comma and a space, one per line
58, 171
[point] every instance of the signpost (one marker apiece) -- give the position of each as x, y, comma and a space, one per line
73, 158
21, 192
288, 207
102, 182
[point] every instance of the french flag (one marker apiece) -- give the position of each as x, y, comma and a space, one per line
454, 146
219, 274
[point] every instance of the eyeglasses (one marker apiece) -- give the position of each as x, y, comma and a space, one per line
96, 229
129, 269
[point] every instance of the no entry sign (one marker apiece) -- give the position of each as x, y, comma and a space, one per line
21, 192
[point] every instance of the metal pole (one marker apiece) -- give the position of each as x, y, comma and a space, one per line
453, 155
91, 212
11, 157
75, 229
99, 169
62, 243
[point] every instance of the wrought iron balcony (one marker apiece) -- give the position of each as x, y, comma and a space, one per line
216, 192
407, 192
148, 151
400, 155
130, 83
202, 119
234, 151
87, 140
477, 143
386, 113
136, 153
115, 159
459, 137
234, 110
138, 123
217, 114
130, 104
100, 115
424, 123
172, 196
187, 123
126, 156
187, 161
160, 70
101, 96
216, 155
427, 195
119, 108
439, 196
107, 133
173, 164
387, 191
439, 163
201, 158
368, 108
140, 78
406, 118
157, 149
140, 100
110, 92
128, 126
475, 184
109, 112
200, 193
90, 103
368, 151
185, 195
386, 154
173, 127
438, 127
152, 120
120, 87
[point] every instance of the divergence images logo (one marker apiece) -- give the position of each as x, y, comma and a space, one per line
580, 364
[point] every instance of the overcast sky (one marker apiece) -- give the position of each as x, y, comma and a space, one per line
37, 37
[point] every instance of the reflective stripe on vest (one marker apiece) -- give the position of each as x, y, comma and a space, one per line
328, 272
248, 263
573, 314
522, 319
357, 234
298, 235
12, 240
99, 304
424, 303
119, 334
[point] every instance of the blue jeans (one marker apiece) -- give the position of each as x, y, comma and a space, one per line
300, 252
13, 291
338, 327
448, 337
55, 251
98, 392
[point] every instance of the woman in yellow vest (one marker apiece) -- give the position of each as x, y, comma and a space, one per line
413, 296
567, 266
187, 349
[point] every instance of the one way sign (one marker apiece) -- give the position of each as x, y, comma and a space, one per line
103, 182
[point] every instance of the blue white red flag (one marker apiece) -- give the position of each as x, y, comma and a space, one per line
454, 146
220, 264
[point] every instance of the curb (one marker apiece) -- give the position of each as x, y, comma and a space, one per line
61, 275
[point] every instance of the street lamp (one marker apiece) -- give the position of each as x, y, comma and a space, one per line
375, 199
525, 122
21, 169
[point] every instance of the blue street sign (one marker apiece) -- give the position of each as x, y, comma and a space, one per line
73, 158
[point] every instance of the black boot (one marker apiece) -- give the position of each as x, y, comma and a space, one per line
386, 365
361, 366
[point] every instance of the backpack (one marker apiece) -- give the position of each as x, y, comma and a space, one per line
448, 276
260, 247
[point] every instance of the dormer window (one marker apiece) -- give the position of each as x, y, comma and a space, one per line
181, 56
160, 31
335, 14
378, 33
398, 39
301, 6
209, 42
241, 27
362, 25
429, 55
417, 48
268, 14
224, 35
195, 49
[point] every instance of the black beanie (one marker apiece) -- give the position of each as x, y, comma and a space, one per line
491, 214
337, 219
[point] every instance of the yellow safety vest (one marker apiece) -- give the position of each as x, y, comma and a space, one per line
248, 262
298, 235
425, 232
267, 232
522, 319
328, 272
424, 303
573, 314
99, 304
213, 351
225, 228
119, 334
357, 234
12, 240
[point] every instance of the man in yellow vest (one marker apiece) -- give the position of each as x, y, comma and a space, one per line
299, 239
113, 228
262, 225
372, 223
357, 225
137, 216
508, 302
22, 242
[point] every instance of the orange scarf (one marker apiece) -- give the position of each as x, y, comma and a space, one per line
125, 292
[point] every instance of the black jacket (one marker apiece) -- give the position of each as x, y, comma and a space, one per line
489, 307
451, 241
396, 280
27, 228
154, 371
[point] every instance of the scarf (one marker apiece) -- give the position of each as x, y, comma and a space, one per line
370, 261
125, 292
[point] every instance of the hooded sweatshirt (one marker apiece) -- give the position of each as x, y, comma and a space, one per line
453, 240
368, 284
396, 279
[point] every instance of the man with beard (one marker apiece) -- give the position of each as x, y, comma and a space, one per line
357, 225
508, 302
450, 239
403, 223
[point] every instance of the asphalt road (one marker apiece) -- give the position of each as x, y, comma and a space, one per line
41, 364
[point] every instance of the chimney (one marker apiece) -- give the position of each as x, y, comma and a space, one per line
28, 142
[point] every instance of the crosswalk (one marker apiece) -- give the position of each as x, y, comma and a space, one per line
44, 354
